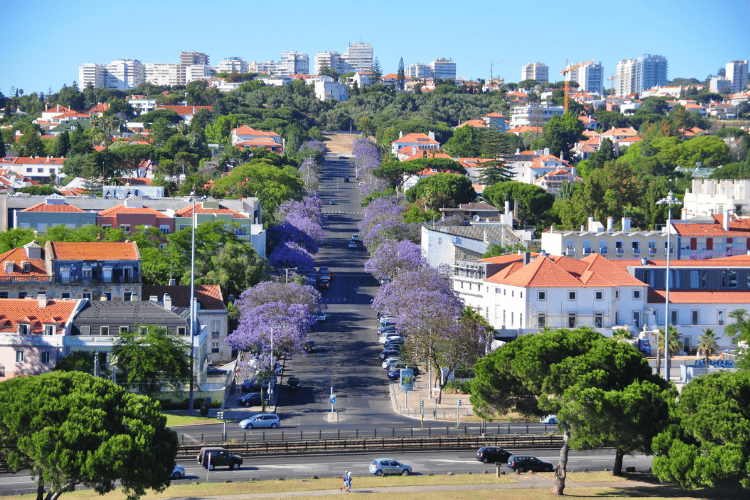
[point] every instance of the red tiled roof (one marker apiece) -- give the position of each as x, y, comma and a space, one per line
44, 207
416, 137
28, 160
188, 211
245, 130
473, 123
122, 209
95, 251
209, 296
739, 228
699, 297
15, 311
18, 255
184, 110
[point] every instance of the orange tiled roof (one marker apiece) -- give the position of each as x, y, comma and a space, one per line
15, 311
188, 211
29, 160
739, 228
423, 153
699, 297
473, 123
245, 130
184, 110
44, 207
416, 137
17, 256
122, 209
95, 251
209, 296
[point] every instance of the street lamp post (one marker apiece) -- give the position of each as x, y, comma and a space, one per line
192, 309
669, 201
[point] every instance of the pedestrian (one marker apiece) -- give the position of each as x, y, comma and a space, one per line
343, 478
348, 481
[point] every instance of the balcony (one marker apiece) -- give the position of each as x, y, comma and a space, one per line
587, 251
619, 251
636, 251
603, 250
652, 250
570, 251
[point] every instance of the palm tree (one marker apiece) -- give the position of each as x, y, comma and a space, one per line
708, 343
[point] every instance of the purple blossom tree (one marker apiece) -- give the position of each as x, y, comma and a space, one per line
392, 228
379, 209
292, 255
394, 257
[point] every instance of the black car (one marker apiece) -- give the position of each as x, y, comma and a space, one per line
492, 454
212, 370
522, 463
220, 457
394, 373
386, 353
250, 386
250, 399
309, 346
292, 383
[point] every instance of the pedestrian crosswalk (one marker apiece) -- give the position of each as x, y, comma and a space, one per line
353, 212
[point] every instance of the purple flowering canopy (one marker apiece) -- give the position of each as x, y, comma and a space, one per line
289, 255
394, 257
392, 228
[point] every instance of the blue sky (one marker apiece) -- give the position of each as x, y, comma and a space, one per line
45, 41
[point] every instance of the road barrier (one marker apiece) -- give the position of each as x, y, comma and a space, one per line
372, 444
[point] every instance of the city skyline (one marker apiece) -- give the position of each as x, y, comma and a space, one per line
74, 34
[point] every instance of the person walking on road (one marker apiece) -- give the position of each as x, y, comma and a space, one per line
348, 481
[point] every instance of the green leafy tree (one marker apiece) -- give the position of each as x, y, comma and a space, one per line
61, 145
70, 428
270, 183
533, 201
561, 133
80, 143
400, 77
30, 143
465, 143
707, 446
150, 358
450, 189
80, 361
2, 147
494, 172
376, 71
740, 332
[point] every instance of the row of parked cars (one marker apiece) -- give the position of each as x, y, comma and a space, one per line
391, 355
521, 463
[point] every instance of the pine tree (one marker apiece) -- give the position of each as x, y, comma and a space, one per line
400, 76
376, 71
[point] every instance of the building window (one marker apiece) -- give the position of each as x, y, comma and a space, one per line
617, 294
125, 227
520, 320
511, 318
21, 295
673, 317
571, 320
85, 330
215, 335
124, 329
164, 229
19, 356
106, 226
598, 295
720, 317
723, 279
107, 274
694, 279
45, 358
86, 273
618, 247
598, 320
636, 246
65, 295
49, 329
694, 317
636, 294
503, 318
23, 329
541, 320
215, 347
128, 296
637, 319
703, 279
107, 296
3, 295
732, 278
542, 295
103, 330
181, 330
571, 295
87, 295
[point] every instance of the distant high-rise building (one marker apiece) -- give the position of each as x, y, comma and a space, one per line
191, 58
164, 73
736, 71
418, 70
294, 63
121, 74
359, 56
334, 61
535, 71
719, 84
233, 65
589, 77
638, 75
93, 73
443, 68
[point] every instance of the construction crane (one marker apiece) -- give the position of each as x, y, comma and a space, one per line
567, 70
613, 78
492, 65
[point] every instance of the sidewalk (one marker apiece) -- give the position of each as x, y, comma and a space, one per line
407, 405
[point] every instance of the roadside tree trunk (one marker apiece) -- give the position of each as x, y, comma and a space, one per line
658, 355
617, 469
561, 472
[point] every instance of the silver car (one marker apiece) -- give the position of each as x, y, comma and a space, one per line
260, 421
384, 466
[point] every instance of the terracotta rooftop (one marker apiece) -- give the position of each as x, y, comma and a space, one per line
15, 311
17, 256
44, 207
699, 297
737, 227
122, 209
209, 296
96, 250
188, 211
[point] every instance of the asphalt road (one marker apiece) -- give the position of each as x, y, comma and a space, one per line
295, 467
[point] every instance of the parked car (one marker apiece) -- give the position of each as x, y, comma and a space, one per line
178, 472
384, 466
324, 284
292, 383
394, 372
394, 342
492, 454
261, 420
250, 386
550, 419
250, 399
309, 346
346, 179
212, 370
331, 202
352, 244
385, 281
211, 457
386, 329
355, 237
523, 463
389, 335
391, 361
385, 353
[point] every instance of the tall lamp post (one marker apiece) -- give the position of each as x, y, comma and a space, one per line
669, 201
192, 308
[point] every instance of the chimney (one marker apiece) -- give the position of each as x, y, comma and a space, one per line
644, 261
583, 228
518, 151
413, 150
167, 302
591, 224
610, 224
431, 135
42, 298
526, 258
507, 206
546, 151
626, 224
400, 134
725, 222
172, 282
193, 108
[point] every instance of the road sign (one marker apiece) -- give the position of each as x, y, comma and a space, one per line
333, 399
459, 402
220, 415
421, 403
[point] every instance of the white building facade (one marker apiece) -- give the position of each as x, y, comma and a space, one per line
535, 71
294, 63
736, 72
589, 77
443, 68
533, 115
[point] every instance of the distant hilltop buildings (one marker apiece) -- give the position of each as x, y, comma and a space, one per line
637, 75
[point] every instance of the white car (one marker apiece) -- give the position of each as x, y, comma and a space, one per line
550, 419
178, 472
262, 420
390, 335
355, 237
392, 361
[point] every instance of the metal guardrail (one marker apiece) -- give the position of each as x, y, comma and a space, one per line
354, 445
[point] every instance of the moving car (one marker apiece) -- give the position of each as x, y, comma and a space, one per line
522, 463
292, 383
309, 346
550, 419
212, 457
178, 472
324, 284
384, 466
321, 316
355, 237
260, 421
352, 244
492, 454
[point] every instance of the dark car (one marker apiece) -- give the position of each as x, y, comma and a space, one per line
492, 454
309, 346
522, 463
386, 353
219, 457
212, 370
250, 386
394, 373
346, 178
324, 284
250, 399
393, 342
331, 202
292, 383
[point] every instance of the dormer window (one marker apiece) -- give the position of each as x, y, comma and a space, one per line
9, 267
49, 329
26, 267
23, 328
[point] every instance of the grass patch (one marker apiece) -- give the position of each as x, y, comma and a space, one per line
174, 420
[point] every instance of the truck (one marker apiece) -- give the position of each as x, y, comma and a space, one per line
643, 345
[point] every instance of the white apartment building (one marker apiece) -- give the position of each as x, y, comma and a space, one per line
326, 90
443, 68
332, 60
533, 115
191, 58
92, 73
197, 72
293, 63
711, 196
418, 70
641, 74
718, 84
535, 71
121, 74
359, 56
736, 71
233, 65
164, 73
589, 77
623, 244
